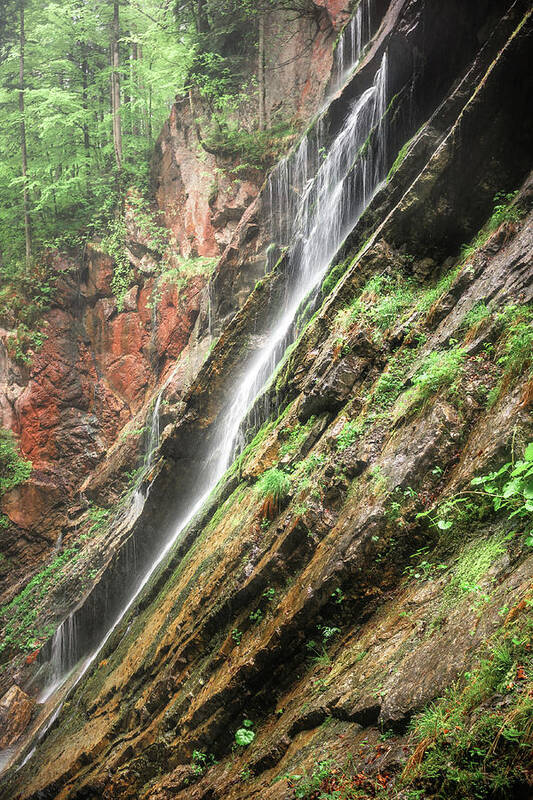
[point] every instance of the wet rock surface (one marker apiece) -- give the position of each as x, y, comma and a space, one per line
331, 626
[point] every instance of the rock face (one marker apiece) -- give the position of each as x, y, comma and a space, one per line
385, 582
100, 364
15, 712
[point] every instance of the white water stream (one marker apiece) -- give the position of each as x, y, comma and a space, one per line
317, 196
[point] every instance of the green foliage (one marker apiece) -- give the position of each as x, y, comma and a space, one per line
382, 302
511, 488
99, 518
274, 484
14, 470
201, 761
349, 434
473, 563
256, 149
114, 244
333, 277
515, 348
428, 298
475, 741
423, 570
297, 437
504, 212
476, 316
400, 158
438, 370
244, 736
72, 179
391, 382
20, 614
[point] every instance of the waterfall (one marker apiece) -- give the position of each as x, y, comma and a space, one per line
66, 641
317, 194
315, 213
351, 43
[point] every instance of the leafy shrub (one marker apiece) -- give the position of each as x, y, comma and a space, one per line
114, 244
381, 303
259, 149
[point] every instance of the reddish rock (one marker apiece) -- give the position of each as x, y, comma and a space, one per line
15, 713
100, 273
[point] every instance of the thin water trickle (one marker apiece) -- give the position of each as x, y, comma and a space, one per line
317, 195
351, 44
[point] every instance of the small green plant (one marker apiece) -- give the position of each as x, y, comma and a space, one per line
337, 595
511, 488
328, 632
256, 616
244, 736
476, 316
349, 434
201, 761
236, 635
297, 437
423, 570
99, 518
516, 347
438, 370
274, 486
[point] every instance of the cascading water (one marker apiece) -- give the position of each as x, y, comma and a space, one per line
351, 43
315, 214
316, 199
64, 652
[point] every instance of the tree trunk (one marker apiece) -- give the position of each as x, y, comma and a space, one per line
202, 20
84, 100
115, 86
261, 72
24, 152
135, 88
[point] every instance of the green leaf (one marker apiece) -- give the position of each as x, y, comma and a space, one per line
528, 489
444, 524
244, 737
528, 455
511, 488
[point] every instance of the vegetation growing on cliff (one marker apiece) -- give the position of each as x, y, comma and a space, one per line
85, 90
13, 469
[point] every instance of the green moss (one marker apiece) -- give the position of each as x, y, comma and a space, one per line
472, 565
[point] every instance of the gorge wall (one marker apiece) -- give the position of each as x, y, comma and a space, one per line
344, 573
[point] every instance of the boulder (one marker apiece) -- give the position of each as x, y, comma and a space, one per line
16, 708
